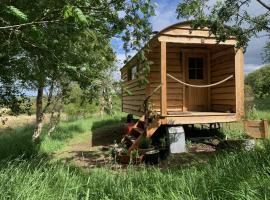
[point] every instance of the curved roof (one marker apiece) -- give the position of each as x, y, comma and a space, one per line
166, 30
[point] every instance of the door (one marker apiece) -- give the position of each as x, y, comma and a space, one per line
196, 73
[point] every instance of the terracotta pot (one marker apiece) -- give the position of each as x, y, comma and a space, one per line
124, 159
144, 151
138, 160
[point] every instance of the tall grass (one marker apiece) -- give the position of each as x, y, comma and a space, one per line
242, 175
18, 142
263, 108
234, 175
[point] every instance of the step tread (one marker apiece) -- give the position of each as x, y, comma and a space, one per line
139, 130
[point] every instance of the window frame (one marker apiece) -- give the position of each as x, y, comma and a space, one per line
132, 71
198, 68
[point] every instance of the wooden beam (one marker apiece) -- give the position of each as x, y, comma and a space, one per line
239, 83
194, 40
184, 79
163, 77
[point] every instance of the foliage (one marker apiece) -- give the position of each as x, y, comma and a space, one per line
231, 175
145, 143
259, 80
252, 113
239, 175
242, 23
46, 45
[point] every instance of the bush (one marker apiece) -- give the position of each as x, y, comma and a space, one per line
259, 81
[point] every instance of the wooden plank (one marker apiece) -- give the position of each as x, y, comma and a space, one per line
133, 112
223, 90
201, 119
256, 128
169, 97
188, 32
239, 83
223, 108
225, 84
222, 77
134, 93
230, 102
192, 40
134, 103
163, 78
217, 55
184, 108
137, 97
209, 79
131, 107
229, 70
227, 58
266, 132
223, 96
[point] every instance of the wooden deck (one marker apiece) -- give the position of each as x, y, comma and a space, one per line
177, 117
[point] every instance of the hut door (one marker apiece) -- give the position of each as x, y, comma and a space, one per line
196, 99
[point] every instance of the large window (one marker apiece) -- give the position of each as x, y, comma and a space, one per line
195, 68
132, 73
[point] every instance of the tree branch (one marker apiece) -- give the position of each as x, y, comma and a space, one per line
27, 24
264, 4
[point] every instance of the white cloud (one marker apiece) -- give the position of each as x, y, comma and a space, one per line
165, 15
251, 67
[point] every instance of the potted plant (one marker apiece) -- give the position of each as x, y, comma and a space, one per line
123, 156
163, 150
136, 157
152, 157
145, 145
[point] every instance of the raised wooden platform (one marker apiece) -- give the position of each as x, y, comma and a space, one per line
177, 117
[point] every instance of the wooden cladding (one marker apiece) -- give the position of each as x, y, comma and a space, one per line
133, 94
223, 97
167, 53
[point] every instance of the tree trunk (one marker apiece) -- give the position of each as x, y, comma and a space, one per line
39, 115
54, 120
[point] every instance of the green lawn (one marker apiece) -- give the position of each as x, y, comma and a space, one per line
28, 172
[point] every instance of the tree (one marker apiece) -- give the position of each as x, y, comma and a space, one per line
242, 24
49, 43
259, 80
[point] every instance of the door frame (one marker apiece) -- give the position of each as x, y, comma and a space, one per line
185, 54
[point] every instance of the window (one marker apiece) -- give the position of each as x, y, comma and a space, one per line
195, 68
132, 73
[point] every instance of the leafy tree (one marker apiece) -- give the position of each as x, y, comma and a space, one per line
47, 44
242, 24
259, 80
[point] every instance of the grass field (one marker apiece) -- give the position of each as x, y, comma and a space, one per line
30, 172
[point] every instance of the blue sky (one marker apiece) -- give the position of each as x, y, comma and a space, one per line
166, 15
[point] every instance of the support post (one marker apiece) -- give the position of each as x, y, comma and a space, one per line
239, 83
163, 76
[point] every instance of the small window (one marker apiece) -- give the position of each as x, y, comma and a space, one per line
195, 68
132, 73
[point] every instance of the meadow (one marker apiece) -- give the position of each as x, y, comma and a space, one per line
32, 172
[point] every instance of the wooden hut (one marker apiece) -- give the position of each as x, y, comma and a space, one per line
193, 79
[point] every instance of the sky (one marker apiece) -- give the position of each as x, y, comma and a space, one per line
166, 16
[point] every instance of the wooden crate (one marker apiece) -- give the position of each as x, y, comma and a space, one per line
256, 128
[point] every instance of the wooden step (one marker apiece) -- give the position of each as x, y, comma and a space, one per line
139, 130
140, 124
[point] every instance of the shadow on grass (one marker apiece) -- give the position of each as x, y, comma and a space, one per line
16, 143
105, 132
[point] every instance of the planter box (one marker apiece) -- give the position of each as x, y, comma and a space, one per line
125, 159
256, 128
144, 151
